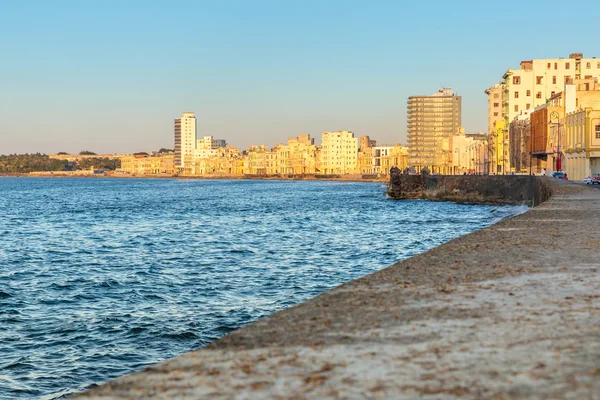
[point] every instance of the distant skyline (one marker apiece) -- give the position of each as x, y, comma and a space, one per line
111, 76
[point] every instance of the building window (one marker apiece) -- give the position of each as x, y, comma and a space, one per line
496, 104
516, 95
516, 80
516, 108
567, 65
549, 65
598, 66
567, 79
554, 80
528, 106
597, 131
552, 94
495, 114
528, 93
539, 80
588, 77
555, 65
588, 65
538, 95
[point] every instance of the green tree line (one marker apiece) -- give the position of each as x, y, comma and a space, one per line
25, 163
99, 163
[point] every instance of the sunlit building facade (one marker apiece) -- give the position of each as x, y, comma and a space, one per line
431, 122
185, 140
339, 153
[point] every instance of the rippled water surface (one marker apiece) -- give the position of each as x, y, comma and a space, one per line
101, 277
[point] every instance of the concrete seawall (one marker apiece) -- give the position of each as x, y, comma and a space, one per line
510, 311
493, 189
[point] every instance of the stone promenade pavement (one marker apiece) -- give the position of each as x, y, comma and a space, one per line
508, 312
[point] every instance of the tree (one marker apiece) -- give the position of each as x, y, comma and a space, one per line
87, 153
163, 150
24, 163
99, 162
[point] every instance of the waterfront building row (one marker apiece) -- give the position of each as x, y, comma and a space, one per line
339, 154
563, 134
544, 116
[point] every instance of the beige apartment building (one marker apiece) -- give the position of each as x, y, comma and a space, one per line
185, 141
581, 146
583, 143
302, 154
494, 105
495, 115
207, 146
297, 157
383, 158
226, 161
468, 153
284, 162
210, 143
431, 122
550, 129
538, 80
398, 158
255, 162
519, 139
148, 165
339, 153
365, 155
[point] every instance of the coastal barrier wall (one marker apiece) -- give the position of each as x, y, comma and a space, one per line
509, 311
475, 189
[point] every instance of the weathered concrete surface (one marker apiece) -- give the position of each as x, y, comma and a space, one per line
479, 189
511, 311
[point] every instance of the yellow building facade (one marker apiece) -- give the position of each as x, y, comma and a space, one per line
148, 165
582, 147
302, 155
383, 158
255, 162
297, 157
365, 155
226, 161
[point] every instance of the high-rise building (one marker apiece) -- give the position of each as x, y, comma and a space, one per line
185, 140
431, 122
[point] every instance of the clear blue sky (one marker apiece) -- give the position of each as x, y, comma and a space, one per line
110, 76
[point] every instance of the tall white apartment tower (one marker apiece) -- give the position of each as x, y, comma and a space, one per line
185, 139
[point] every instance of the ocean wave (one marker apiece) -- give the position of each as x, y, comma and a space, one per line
92, 292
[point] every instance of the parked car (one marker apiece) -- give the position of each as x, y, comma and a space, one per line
557, 174
590, 180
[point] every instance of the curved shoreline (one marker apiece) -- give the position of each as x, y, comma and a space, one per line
343, 178
511, 310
